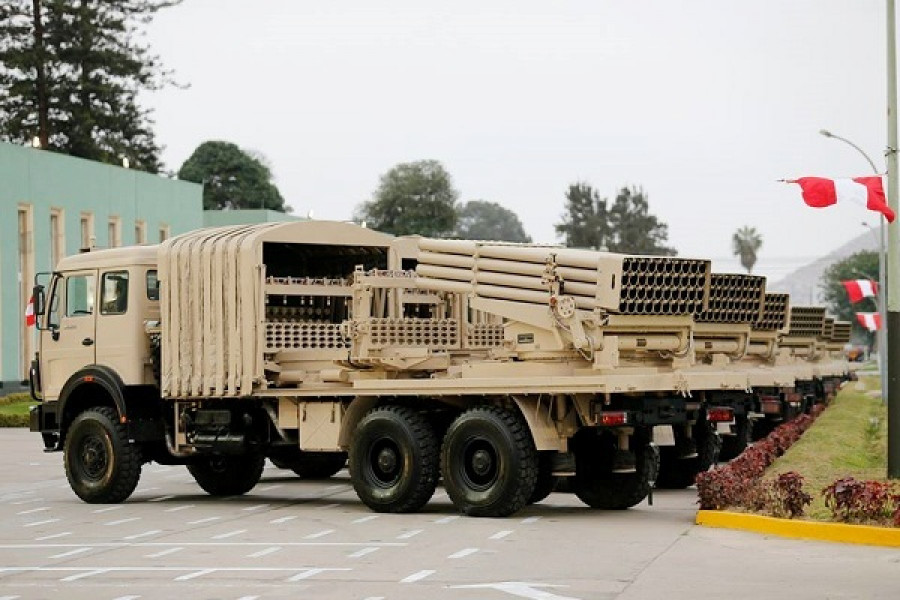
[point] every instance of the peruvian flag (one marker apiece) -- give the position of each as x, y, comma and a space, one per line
820, 192
30, 319
860, 288
871, 321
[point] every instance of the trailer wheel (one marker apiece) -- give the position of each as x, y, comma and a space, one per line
733, 445
678, 473
228, 475
489, 462
546, 481
312, 465
597, 486
101, 466
394, 460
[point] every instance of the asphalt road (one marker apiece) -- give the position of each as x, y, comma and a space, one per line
295, 539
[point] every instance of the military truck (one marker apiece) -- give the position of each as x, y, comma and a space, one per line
498, 367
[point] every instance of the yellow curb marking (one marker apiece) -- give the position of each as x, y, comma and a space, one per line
830, 532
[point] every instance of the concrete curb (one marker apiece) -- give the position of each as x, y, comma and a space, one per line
810, 530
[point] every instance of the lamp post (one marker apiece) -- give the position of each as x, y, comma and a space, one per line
882, 282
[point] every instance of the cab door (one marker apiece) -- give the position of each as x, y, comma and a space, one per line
67, 340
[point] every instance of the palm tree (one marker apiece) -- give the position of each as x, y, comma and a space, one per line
745, 243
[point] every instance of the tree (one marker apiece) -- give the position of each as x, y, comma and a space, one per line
634, 229
862, 265
480, 220
70, 73
585, 224
232, 178
413, 198
626, 226
745, 243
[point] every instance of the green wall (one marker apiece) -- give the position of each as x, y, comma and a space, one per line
46, 180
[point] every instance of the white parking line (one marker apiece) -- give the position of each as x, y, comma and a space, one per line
445, 520
418, 575
78, 576
463, 553
107, 509
177, 508
127, 598
255, 507
164, 552
408, 534
269, 488
281, 520
161, 498
307, 574
531, 519
122, 521
37, 523
318, 534
500, 534
229, 534
138, 536
9, 597
363, 552
194, 575
72, 552
33, 510
201, 521
364, 519
265, 552
374, 598
248, 598
29, 501
337, 486
52, 536
332, 505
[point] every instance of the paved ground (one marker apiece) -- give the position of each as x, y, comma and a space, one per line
295, 539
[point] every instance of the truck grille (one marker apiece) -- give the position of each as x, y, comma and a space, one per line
734, 298
807, 321
655, 285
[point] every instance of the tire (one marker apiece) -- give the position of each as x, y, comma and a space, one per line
394, 460
101, 465
312, 465
734, 445
228, 475
489, 462
597, 486
546, 482
678, 473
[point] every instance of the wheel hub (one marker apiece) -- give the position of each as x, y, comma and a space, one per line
482, 463
387, 460
93, 457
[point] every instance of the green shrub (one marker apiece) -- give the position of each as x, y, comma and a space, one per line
13, 420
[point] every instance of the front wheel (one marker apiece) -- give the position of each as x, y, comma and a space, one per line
101, 465
595, 482
489, 462
228, 475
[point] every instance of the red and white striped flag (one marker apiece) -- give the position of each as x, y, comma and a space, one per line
30, 318
860, 288
820, 192
871, 321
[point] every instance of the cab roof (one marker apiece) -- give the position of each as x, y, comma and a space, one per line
113, 257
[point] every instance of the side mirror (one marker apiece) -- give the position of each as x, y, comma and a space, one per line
37, 295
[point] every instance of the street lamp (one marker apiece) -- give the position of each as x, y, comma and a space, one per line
882, 282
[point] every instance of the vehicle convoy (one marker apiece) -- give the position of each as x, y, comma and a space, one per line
496, 367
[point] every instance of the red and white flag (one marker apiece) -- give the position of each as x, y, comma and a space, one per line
871, 321
820, 192
30, 319
860, 288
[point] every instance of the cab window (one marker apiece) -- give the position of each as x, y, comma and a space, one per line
79, 295
114, 293
152, 285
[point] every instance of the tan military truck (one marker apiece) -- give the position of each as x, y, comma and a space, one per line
497, 366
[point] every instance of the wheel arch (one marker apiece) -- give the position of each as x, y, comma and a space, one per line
91, 386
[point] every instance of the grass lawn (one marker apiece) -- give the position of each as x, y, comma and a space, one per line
14, 410
848, 439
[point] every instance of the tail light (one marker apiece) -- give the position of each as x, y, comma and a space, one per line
719, 414
613, 418
770, 405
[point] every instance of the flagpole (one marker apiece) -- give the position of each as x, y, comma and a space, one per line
893, 260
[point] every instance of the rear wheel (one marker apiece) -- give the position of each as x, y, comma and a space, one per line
228, 475
101, 465
489, 462
733, 445
597, 485
394, 460
677, 473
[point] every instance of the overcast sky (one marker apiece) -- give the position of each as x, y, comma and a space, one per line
705, 104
